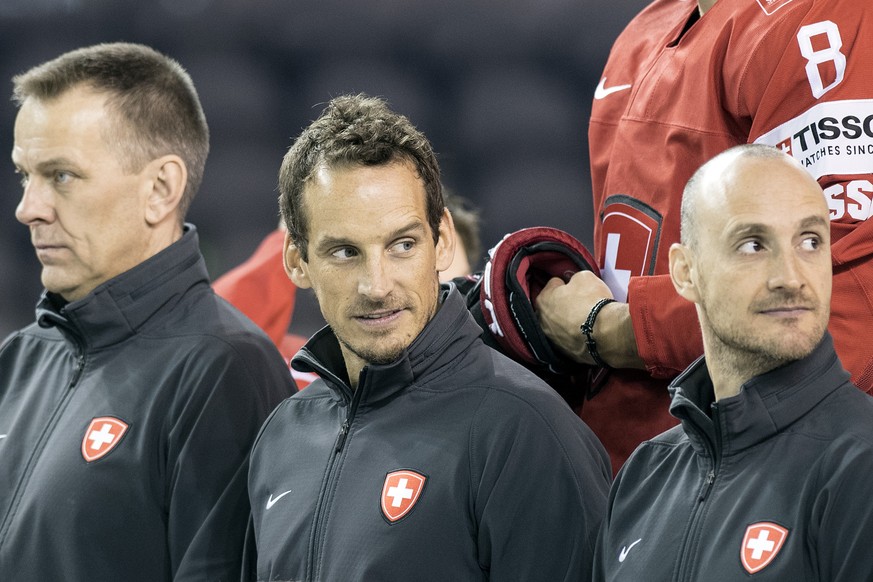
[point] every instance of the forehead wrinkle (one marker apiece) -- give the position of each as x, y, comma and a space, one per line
815, 220
416, 226
55, 163
748, 229
744, 229
23, 156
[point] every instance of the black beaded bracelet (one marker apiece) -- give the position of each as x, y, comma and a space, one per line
588, 328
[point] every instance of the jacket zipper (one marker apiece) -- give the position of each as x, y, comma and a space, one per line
78, 369
690, 543
325, 496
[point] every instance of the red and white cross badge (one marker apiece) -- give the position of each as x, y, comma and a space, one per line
762, 542
400, 493
101, 436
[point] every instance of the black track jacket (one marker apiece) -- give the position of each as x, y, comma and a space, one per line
126, 419
452, 463
772, 485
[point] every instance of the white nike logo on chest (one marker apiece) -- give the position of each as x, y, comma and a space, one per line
603, 91
625, 550
272, 501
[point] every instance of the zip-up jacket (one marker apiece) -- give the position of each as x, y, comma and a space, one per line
451, 463
126, 420
770, 484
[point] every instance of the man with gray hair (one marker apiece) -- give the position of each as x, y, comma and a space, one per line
128, 409
768, 472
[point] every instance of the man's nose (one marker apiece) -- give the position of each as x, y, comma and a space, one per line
786, 271
35, 205
376, 281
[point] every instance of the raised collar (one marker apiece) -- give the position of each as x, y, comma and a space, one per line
118, 308
440, 344
766, 404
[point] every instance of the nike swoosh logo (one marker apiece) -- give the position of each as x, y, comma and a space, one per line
602, 91
272, 501
624, 551
2, 436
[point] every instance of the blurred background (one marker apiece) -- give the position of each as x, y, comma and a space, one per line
501, 87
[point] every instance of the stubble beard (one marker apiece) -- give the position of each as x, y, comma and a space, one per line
372, 354
382, 348
748, 350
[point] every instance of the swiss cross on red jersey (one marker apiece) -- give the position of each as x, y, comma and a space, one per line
771, 6
101, 436
630, 233
400, 492
762, 542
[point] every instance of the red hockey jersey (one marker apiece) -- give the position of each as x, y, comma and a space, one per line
679, 89
260, 289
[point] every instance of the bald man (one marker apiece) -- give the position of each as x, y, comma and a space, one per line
768, 470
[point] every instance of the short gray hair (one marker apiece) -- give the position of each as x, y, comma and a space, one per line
154, 101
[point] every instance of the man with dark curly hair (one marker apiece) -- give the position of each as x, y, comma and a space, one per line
420, 452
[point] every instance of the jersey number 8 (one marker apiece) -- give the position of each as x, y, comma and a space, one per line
817, 57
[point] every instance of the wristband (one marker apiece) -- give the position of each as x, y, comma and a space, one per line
587, 328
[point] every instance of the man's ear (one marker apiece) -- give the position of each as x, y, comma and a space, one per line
295, 266
682, 271
167, 178
445, 245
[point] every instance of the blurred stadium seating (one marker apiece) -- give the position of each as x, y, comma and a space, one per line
502, 87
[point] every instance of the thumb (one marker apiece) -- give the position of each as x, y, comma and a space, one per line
549, 288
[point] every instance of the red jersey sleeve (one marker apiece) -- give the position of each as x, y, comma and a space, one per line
659, 315
260, 288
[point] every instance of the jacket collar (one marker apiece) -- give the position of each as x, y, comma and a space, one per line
766, 404
118, 308
431, 354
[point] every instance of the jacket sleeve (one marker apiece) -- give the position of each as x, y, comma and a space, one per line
842, 516
602, 551
249, 569
260, 288
236, 383
655, 308
540, 480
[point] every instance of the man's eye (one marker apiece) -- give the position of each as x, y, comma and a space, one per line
750, 247
23, 177
404, 246
344, 253
811, 243
62, 177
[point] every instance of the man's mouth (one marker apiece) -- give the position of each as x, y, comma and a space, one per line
381, 317
787, 310
44, 250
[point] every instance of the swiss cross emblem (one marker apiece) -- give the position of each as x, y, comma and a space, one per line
101, 436
771, 6
629, 240
762, 542
400, 493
